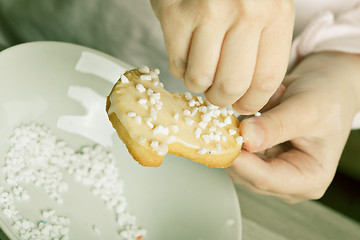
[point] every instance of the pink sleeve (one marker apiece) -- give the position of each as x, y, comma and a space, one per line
329, 32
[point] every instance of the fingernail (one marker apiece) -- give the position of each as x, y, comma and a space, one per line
254, 136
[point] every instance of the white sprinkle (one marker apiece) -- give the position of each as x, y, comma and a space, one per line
176, 116
203, 151
160, 129
223, 138
154, 144
217, 112
223, 111
203, 109
145, 77
227, 120
258, 114
217, 138
153, 114
144, 69
218, 146
142, 139
142, 101
158, 105
175, 128
206, 138
140, 88
210, 106
197, 132
191, 103
216, 122
161, 84
230, 111
187, 112
152, 100
232, 132
156, 83
221, 124
150, 125
194, 111
157, 96
189, 121
153, 75
206, 117
138, 119
157, 71
200, 99
239, 140
188, 96
124, 79
131, 114
150, 91
203, 124
212, 129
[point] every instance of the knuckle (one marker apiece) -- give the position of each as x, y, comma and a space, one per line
248, 106
227, 88
177, 67
197, 82
261, 184
268, 85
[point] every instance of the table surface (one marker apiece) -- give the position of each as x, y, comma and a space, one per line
268, 218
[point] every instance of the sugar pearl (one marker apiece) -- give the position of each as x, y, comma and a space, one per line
124, 79
145, 78
197, 132
188, 96
175, 129
239, 140
203, 151
232, 131
140, 88
144, 69
189, 121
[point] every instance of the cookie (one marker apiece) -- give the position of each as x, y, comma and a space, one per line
153, 122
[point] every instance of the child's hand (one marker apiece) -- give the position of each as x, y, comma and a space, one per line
304, 135
235, 51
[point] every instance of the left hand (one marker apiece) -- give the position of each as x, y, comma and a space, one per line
293, 149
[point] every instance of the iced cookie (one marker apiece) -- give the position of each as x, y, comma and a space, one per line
153, 122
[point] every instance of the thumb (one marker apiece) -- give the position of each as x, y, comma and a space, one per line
288, 120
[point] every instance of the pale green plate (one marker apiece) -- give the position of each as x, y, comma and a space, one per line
64, 86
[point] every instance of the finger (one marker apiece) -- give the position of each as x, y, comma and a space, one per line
291, 119
280, 176
203, 58
236, 65
270, 68
239, 180
275, 99
177, 37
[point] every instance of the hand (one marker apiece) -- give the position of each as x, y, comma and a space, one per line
299, 141
234, 51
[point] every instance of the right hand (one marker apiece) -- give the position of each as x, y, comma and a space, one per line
293, 148
234, 51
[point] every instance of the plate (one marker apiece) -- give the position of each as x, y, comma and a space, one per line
64, 87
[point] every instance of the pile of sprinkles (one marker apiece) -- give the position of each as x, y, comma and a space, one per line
37, 157
211, 124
